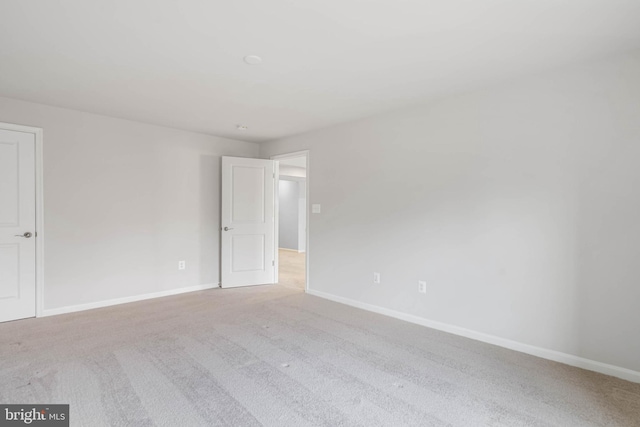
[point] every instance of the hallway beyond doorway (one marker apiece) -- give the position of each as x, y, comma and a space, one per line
291, 269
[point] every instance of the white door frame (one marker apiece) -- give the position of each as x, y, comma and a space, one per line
307, 185
39, 232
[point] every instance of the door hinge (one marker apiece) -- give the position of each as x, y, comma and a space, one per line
273, 263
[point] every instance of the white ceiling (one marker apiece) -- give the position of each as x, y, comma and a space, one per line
179, 63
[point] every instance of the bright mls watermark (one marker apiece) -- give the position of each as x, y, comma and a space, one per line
34, 415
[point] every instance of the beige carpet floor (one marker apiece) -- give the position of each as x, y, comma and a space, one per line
270, 355
291, 269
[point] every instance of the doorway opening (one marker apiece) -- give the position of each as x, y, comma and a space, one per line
292, 199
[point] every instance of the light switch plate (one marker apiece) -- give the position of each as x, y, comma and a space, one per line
315, 208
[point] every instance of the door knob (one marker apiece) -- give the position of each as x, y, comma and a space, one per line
227, 229
25, 235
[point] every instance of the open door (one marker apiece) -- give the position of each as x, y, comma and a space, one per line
248, 222
17, 225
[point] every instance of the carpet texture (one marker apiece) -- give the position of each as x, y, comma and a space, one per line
274, 356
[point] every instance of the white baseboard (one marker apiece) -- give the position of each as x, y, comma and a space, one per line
568, 359
124, 300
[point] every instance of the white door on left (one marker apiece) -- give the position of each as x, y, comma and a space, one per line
17, 225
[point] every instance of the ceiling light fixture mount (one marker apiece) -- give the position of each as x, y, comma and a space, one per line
252, 59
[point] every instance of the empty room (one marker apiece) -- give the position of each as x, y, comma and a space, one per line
320, 213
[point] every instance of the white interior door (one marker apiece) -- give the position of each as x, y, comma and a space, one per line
17, 225
248, 222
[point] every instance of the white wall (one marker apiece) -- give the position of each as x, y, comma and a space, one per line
124, 201
519, 205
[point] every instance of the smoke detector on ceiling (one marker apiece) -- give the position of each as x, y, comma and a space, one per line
252, 59
241, 127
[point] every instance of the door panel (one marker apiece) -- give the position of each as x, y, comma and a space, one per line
248, 253
17, 217
247, 241
9, 182
247, 194
10, 268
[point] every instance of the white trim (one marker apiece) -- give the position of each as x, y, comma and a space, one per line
38, 134
307, 154
292, 178
276, 221
568, 359
124, 300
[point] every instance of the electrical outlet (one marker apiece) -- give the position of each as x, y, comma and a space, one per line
376, 277
422, 286
182, 265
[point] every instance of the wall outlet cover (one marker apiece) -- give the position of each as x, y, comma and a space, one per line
422, 286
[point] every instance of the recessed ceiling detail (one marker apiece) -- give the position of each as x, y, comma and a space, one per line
252, 60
